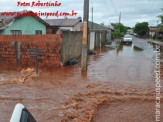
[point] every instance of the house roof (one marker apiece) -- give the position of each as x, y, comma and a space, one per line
63, 22
110, 27
96, 27
6, 21
153, 28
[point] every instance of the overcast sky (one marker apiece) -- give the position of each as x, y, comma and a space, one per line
105, 11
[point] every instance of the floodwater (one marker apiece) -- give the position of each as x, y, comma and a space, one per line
118, 87
127, 64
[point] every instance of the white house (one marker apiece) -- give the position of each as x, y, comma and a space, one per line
153, 31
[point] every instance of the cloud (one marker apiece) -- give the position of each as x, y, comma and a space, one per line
106, 11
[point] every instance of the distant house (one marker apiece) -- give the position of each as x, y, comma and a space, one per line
160, 31
98, 34
98, 27
22, 25
64, 24
130, 31
153, 31
110, 31
94, 27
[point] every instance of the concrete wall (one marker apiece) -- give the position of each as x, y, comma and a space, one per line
57, 48
27, 24
71, 46
108, 35
103, 36
92, 40
100, 35
97, 38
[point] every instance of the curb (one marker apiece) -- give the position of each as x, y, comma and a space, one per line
154, 42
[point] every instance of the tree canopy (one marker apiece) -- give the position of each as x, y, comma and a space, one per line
161, 27
120, 30
161, 17
141, 28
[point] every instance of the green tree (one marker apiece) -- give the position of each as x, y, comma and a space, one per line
141, 28
161, 19
161, 27
118, 34
161, 16
120, 30
113, 24
133, 29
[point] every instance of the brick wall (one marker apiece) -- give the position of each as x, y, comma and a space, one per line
13, 50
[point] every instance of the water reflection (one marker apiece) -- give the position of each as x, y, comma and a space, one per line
136, 48
119, 49
123, 48
161, 49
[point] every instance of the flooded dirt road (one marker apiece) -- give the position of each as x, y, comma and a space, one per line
118, 87
128, 64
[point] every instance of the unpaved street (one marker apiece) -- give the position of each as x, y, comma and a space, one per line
118, 87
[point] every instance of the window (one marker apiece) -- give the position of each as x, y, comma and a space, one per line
38, 31
1, 32
127, 36
16, 32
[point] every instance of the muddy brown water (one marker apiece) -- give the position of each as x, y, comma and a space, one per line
118, 87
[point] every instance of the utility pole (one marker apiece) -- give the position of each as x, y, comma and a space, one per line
157, 35
157, 22
120, 18
92, 17
119, 21
85, 37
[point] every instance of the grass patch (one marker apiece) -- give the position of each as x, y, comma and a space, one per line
154, 39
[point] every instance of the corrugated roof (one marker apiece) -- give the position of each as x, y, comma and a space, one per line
62, 22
